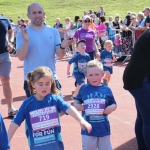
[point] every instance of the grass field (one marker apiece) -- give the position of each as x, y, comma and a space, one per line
70, 8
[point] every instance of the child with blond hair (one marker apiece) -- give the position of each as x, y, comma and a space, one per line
107, 59
96, 102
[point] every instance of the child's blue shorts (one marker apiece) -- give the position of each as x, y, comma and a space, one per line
80, 78
108, 69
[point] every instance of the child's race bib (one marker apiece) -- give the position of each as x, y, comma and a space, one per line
108, 62
94, 106
44, 118
82, 67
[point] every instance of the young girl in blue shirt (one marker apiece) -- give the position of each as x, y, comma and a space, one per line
41, 113
107, 59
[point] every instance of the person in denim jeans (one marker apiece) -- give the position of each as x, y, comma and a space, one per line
136, 80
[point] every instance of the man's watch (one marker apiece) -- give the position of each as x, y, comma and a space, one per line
61, 47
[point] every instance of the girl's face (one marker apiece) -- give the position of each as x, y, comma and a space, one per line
42, 87
67, 21
108, 47
117, 18
94, 76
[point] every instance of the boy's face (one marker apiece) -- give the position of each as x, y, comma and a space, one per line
94, 76
81, 47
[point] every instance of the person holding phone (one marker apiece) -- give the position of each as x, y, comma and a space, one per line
37, 44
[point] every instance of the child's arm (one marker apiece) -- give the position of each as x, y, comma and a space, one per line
68, 69
78, 105
12, 129
110, 109
76, 115
97, 53
114, 59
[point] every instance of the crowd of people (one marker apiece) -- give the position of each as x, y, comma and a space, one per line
94, 43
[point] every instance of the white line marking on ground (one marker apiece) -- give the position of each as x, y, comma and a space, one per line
124, 122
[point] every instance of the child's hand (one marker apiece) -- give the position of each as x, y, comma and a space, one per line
114, 59
85, 125
98, 55
108, 110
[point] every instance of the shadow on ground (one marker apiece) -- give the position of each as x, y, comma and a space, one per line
120, 63
130, 145
20, 98
8, 118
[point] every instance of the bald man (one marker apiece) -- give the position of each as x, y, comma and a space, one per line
37, 44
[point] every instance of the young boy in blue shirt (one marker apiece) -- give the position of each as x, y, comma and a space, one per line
96, 102
4, 142
80, 60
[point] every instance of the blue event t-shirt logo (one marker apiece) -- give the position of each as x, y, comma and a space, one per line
82, 65
96, 95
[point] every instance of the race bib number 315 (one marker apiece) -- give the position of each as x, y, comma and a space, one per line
94, 106
44, 118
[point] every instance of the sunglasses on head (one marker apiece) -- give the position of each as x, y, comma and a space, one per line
87, 21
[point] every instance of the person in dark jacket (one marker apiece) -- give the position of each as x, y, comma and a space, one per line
136, 80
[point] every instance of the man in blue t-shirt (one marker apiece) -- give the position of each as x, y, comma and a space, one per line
5, 62
37, 44
4, 142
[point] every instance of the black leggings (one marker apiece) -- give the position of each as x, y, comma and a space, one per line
91, 55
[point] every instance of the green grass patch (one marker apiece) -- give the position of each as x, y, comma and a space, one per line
70, 8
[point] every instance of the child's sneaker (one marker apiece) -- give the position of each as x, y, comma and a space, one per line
12, 112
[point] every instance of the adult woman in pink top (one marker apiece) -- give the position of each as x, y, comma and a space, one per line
101, 29
87, 34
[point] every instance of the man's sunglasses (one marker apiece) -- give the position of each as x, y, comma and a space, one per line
87, 21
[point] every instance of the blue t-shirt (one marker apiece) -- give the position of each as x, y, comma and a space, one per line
80, 26
95, 100
41, 48
80, 62
4, 27
106, 58
111, 33
4, 142
42, 121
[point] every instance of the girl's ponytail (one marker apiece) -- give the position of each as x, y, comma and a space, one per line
54, 89
29, 80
